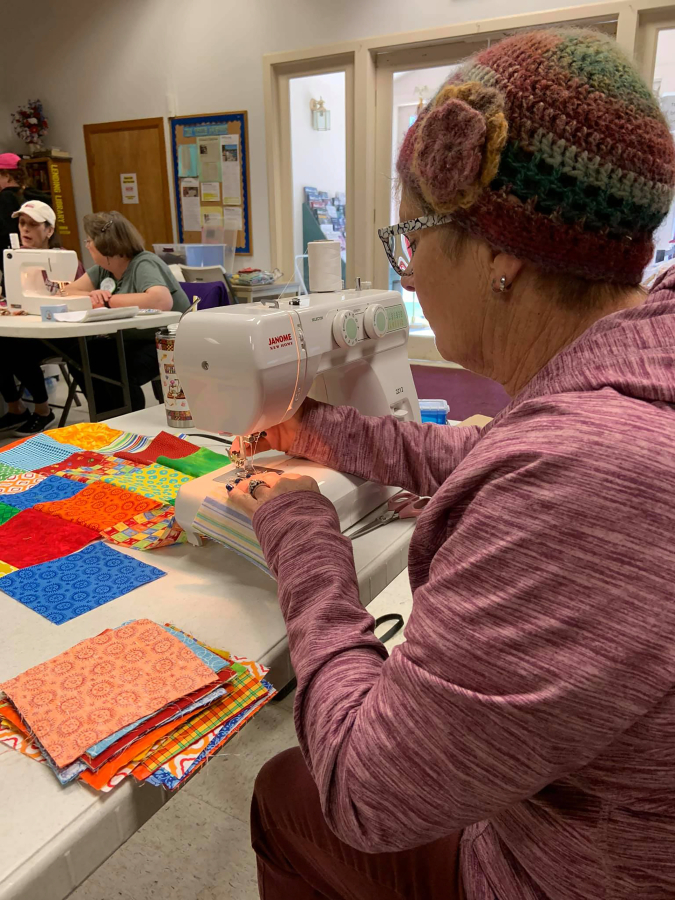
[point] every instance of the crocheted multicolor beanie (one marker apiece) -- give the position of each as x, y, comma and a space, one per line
551, 147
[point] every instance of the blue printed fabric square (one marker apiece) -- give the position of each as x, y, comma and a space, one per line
52, 488
210, 659
38, 451
65, 588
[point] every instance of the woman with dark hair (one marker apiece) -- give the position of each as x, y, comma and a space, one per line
520, 744
21, 358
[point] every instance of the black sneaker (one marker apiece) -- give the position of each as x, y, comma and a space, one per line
11, 421
35, 424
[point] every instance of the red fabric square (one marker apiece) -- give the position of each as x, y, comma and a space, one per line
76, 461
32, 537
164, 444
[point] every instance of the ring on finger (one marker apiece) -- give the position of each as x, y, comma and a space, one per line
253, 484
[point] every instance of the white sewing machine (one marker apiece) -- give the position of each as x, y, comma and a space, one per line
248, 367
27, 276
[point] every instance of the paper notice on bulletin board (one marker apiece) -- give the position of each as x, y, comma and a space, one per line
210, 191
129, 184
231, 165
211, 215
232, 218
187, 161
189, 198
209, 158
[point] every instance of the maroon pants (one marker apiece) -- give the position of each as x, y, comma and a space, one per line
299, 858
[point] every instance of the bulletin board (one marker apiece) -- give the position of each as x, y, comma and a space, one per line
211, 175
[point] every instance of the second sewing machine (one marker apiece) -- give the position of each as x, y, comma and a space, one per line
33, 278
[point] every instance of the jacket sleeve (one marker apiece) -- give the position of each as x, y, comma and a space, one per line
8, 225
539, 637
415, 457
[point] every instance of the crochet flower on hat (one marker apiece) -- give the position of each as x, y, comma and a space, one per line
453, 149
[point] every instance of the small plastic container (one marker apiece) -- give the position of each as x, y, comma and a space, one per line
172, 254
435, 411
217, 252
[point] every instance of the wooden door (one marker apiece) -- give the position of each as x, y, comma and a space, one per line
132, 147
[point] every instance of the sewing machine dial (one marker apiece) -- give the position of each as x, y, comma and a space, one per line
346, 328
375, 321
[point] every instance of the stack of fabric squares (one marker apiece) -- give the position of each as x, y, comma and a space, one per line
142, 699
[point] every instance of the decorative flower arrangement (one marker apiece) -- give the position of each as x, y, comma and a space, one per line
30, 123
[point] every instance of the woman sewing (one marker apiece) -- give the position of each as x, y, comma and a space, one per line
125, 274
519, 744
21, 358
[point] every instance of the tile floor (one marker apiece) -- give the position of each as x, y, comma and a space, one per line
197, 847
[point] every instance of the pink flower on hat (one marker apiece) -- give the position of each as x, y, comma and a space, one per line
449, 150
452, 151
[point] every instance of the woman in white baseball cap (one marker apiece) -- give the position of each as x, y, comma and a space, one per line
20, 359
37, 221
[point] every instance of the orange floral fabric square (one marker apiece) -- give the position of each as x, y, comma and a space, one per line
103, 684
99, 506
87, 435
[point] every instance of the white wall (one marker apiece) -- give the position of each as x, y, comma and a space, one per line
8, 140
319, 157
99, 62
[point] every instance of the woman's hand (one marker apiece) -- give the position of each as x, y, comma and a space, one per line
279, 437
274, 486
99, 298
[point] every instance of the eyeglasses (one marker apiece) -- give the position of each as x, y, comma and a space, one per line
395, 241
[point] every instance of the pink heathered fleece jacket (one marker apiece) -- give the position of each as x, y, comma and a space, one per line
533, 702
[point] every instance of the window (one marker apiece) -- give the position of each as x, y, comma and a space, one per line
319, 165
411, 90
664, 88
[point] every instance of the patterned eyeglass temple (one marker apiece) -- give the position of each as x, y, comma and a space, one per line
389, 234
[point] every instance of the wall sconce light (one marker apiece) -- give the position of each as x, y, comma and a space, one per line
320, 115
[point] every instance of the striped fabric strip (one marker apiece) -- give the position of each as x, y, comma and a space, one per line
217, 520
130, 442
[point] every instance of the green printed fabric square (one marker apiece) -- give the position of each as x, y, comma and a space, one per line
6, 471
6, 512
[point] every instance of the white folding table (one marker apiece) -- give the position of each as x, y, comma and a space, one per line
49, 332
53, 837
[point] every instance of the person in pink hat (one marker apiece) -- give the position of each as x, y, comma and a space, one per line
13, 182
